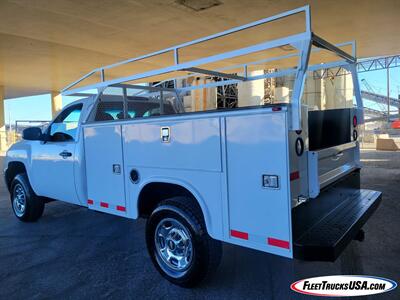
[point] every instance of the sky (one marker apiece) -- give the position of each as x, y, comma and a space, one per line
377, 81
33, 108
38, 108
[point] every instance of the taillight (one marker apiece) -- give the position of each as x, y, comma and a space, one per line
355, 121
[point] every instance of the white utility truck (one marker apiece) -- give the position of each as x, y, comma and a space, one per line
280, 177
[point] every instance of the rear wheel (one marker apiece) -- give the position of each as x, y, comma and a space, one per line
178, 243
26, 205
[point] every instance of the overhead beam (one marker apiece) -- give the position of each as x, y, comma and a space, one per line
3, 132
367, 65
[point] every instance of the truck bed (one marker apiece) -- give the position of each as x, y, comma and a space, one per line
322, 227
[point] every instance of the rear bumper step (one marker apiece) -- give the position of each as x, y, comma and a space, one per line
324, 226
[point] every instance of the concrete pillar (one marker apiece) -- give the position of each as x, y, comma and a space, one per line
202, 99
339, 92
329, 93
56, 103
314, 93
2, 123
252, 92
3, 133
282, 94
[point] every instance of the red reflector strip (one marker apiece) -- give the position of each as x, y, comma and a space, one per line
104, 204
294, 175
90, 201
121, 208
278, 243
240, 235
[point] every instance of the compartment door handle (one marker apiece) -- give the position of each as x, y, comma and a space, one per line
337, 156
65, 154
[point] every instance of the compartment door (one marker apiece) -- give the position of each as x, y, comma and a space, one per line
104, 168
259, 213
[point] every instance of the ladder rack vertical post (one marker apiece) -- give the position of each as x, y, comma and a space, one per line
300, 77
388, 91
176, 59
125, 103
352, 68
161, 103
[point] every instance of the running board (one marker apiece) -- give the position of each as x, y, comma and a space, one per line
324, 226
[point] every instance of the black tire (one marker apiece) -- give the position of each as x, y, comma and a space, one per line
33, 205
205, 252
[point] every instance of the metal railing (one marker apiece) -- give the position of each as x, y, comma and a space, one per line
13, 133
7, 138
179, 66
365, 65
39, 123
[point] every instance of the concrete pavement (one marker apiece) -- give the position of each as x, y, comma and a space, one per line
73, 252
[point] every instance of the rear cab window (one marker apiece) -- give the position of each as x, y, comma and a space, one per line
111, 107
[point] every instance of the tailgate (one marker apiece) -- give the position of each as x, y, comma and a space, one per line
324, 226
328, 165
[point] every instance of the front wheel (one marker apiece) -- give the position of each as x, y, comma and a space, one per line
178, 243
26, 205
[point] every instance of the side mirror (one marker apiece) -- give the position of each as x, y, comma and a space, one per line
32, 134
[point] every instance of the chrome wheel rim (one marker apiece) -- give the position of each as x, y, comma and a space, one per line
19, 200
174, 245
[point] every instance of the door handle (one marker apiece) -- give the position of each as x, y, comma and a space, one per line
337, 156
65, 154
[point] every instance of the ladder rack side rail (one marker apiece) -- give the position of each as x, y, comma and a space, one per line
282, 57
231, 54
245, 65
280, 73
175, 49
305, 9
78, 81
142, 87
321, 43
234, 81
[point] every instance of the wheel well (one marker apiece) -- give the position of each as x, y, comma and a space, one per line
14, 168
154, 193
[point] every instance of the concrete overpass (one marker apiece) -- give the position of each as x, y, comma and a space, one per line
47, 44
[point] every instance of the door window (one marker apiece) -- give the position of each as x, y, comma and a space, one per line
64, 127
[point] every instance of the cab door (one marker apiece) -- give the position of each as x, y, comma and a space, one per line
53, 161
